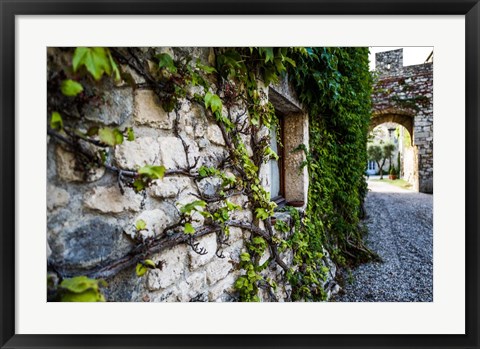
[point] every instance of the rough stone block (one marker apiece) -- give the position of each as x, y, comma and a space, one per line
210, 186
200, 129
235, 234
218, 269
192, 286
148, 111
86, 244
116, 108
235, 249
265, 257
156, 221
242, 215
173, 267
172, 152
169, 295
203, 143
222, 287
168, 187
67, 171
138, 153
209, 243
56, 197
214, 135
111, 200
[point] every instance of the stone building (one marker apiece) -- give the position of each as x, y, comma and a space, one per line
92, 218
404, 95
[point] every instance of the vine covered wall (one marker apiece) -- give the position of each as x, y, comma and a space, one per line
158, 173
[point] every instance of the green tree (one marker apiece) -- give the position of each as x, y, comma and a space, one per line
380, 154
388, 150
375, 153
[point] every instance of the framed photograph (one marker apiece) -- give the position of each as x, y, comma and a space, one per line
187, 203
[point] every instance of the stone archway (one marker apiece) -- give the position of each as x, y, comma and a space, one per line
401, 117
404, 95
407, 152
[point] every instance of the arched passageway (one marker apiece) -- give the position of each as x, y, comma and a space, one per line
404, 95
397, 130
402, 118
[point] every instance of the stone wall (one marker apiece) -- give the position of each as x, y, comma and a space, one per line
91, 217
405, 95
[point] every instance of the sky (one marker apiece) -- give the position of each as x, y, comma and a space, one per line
411, 55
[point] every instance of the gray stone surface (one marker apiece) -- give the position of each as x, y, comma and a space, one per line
68, 170
56, 197
87, 244
111, 200
148, 111
138, 153
115, 109
173, 267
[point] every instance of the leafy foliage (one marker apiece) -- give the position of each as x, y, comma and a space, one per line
335, 85
144, 266
189, 229
97, 61
71, 88
166, 61
82, 289
140, 225
193, 206
152, 172
110, 136
56, 121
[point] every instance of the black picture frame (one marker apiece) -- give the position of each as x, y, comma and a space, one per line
10, 8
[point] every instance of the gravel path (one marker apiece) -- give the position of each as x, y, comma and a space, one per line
400, 224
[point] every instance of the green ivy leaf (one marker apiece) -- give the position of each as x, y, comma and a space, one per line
269, 55
97, 61
82, 289
115, 70
153, 172
70, 88
205, 214
140, 269
188, 208
240, 283
207, 171
149, 263
118, 136
130, 134
213, 102
189, 229
289, 60
56, 122
245, 257
205, 68
139, 185
87, 296
231, 206
79, 284
92, 131
261, 213
140, 225
270, 154
202, 171
109, 136
166, 61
